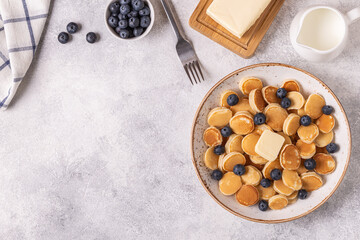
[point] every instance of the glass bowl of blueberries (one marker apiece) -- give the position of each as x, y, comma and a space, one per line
129, 19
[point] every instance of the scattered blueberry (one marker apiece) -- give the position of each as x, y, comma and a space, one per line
124, 33
302, 194
125, 9
239, 169
310, 164
72, 27
259, 119
138, 31
145, 21
218, 150
132, 14
114, 14
332, 148
122, 2
114, 7
275, 174
263, 205
305, 120
123, 24
138, 5
122, 16
216, 175
63, 37
226, 131
327, 110
281, 93
118, 29
134, 22
285, 102
232, 100
265, 183
113, 21
145, 11
91, 37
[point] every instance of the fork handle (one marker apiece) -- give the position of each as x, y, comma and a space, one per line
171, 16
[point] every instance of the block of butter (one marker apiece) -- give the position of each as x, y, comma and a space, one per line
269, 145
237, 16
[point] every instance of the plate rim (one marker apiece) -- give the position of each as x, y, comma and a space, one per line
197, 116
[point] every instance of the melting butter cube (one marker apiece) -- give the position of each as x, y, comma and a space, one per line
269, 145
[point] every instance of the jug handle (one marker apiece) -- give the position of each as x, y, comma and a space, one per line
353, 15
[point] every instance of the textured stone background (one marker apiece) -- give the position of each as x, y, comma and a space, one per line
96, 143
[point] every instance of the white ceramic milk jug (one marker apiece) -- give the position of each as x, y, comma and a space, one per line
320, 33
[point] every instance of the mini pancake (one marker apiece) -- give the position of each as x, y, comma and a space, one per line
291, 85
293, 195
292, 201
324, 139
290, 157
306, 150
321, 150
308, 133
287, 138
232, 159
224, 96
219, 117
220, 162
242, 123
325, 163
311, 181
314, 105
249, 142
259, 129
325, 123
212, 137
211, 159
247, 195
256, 100
252, 176
281, 188
233, 144
243, 105
275, 116
291, 124
230, 183
269, 167
291, 179
302, 168
249, 83
249, 162
297, 100
266, 193
278, 202
269, 95
301, 112
258, 160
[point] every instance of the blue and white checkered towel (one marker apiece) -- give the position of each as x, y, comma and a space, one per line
21, 25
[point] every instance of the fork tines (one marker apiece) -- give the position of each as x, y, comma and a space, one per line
193, 67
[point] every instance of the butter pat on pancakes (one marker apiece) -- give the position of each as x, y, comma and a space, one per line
219, 117
230, 183
269, 145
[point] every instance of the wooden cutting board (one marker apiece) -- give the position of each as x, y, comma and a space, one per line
248, 43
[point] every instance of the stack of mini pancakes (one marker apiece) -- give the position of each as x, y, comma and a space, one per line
297, 144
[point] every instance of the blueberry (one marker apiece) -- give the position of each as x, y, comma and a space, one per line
114, 14
239, 169
305, 120
63, 37
123, 24
285, 102
114, 7
310, 164
265, 183
259, 118
332, 148
145, 11
226, 132
72, 27
232, 100
134, 22
113, 21
138, 5
281, 93
125, 9
216, 175
302, 194
118, 29
91, 37
132, 14
122, 16
124, 33
122, 2
145, 21
138, 31
327, 110
263, 205
275, 174
218, 150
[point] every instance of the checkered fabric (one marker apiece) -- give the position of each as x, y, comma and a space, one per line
21, 25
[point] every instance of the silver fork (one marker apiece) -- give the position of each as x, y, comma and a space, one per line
184, 48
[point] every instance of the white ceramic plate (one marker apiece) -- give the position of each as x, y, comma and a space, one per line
272, 74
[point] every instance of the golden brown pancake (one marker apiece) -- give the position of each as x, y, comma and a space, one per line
275, 116
308, 134
324, 139
252, 176
301, 112
278, 202
311, 181
259, 129
243, 105
297, 100
269, 167
291, 179
325, 123
306, 150
230, 183
281, 188
220, 162
219, 117
314, 105
291, 124
291, 85
325, 163
302, 168
293, 195
232, 159
242, 123
269, 94
247, 195
212, 137
249, 83
249, 142
258, 160
224, 96
211, 159
290, 157
256, 100
233, 144
266, 193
